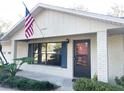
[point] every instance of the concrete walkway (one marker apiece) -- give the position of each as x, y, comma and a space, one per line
65, 83
6, 89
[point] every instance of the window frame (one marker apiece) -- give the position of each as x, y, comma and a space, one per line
39, 61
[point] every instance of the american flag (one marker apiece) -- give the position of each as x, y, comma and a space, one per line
28, 24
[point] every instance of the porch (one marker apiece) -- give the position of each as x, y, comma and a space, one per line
105, 47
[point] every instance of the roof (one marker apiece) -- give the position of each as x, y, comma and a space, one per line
39, 7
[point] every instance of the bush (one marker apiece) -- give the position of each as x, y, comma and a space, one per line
3, 74
120, 81
22, 83
91, 85
95, 77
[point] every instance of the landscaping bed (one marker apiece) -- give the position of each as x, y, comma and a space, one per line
8, 77
22, 83
92, 85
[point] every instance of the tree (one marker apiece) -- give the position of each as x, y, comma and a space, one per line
4, 25
116, 10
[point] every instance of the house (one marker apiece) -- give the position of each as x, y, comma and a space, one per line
69, 44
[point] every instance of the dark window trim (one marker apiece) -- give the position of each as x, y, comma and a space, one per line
46, 53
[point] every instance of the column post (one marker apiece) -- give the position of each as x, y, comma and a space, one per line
102, 56
14, 49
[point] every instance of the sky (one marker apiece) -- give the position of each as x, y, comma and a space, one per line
13, 10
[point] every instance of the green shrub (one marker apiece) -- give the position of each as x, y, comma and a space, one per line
95, 77
12, 68
120, 81
22, 83
3, 75
91, 85
28, 60
42, 84
3, 78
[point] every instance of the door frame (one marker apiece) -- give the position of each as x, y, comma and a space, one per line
89, 52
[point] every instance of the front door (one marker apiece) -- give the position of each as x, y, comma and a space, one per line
82, 58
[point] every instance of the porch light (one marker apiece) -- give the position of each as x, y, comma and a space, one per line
67, 40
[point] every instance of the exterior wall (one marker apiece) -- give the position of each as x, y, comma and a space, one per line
60, 24
68, 72
22, 49
115, 56
6, 48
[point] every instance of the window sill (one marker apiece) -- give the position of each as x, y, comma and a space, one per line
43, 65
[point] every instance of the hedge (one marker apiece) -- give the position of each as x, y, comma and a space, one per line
22, 83
91, 85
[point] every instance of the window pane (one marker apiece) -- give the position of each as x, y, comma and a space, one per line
35, 48
35, 58
43, 53
53, 54
43, 58
44, 47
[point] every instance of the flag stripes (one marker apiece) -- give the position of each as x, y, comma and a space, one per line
28, 24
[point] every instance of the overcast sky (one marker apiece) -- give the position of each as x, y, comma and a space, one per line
12, 9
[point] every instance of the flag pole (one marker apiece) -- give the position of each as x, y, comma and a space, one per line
39, 28
35, 22
24, 4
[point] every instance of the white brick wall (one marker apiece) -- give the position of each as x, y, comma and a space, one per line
102, 65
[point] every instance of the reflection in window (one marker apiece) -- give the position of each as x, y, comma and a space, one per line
53, 53
46, 53
35, 53
43, 53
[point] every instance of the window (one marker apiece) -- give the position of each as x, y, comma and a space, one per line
46, 53
53, 53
